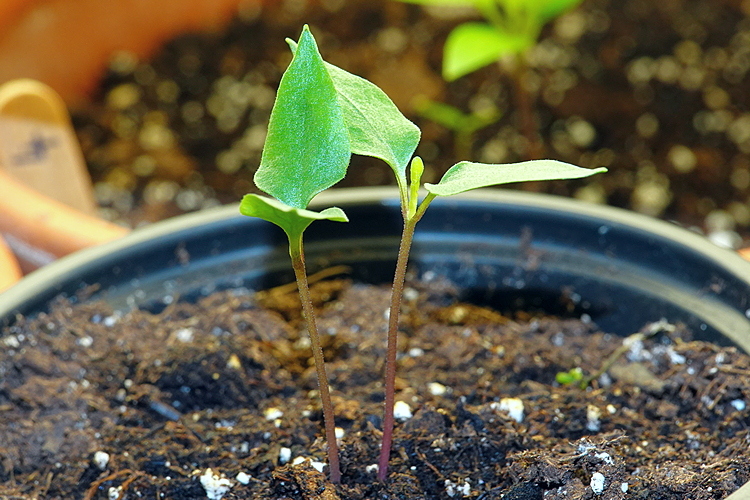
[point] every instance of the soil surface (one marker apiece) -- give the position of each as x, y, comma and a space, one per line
219, 399
653, 90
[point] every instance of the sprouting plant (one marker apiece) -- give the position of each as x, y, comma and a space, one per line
307, 150
511, 28
323, 114
570, 377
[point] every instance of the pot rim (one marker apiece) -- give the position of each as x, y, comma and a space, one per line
53, 274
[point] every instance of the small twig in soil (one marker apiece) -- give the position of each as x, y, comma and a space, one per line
733, 371
434, 469
291, 287
490, 493
96, 484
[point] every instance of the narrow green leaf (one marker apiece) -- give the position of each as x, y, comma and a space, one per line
307, 147
376, 126
466, 175
552, 8
292, 220
453, 118
471, 46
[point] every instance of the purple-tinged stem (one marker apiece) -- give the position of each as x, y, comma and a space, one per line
399, 277
298, 263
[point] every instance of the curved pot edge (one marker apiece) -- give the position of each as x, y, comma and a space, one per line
65, 266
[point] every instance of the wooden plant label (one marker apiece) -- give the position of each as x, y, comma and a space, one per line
38, 145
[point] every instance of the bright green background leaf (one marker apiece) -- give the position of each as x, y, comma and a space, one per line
548, 9
456, 3
307, 148
471, 46
466, 175
553, 8
292, 220
376, 126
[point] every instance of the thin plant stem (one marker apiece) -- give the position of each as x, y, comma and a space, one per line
392, 348
407, 236
298, 263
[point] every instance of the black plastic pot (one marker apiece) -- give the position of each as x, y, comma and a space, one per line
505, 248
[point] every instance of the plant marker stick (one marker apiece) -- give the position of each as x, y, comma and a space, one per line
38, 145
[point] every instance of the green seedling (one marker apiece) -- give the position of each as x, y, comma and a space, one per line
572, 376
322, 115
463, 125
511, 27
307, 150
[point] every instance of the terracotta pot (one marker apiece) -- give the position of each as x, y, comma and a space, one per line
10, 270
67, 43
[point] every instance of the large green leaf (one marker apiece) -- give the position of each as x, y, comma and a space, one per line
376, 126
307, 147
292, 220
466, 175
471, 46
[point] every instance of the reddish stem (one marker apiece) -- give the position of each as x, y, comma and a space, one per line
399, 277
298, 263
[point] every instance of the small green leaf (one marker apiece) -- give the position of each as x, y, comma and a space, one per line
471, 46
466, 175
292, 220
571, 377
376, 126
307, 147
453, 118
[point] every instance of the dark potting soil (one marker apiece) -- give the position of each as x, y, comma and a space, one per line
219, 399
656, 91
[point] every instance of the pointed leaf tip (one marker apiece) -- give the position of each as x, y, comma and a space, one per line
307, 148
466, 175
376, 126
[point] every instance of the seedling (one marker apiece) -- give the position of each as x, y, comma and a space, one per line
307, 150
511, 28
322, 115
570, 377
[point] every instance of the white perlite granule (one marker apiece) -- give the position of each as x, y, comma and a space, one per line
101, 459
512, 406
597, 483
215, 485
402, 411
